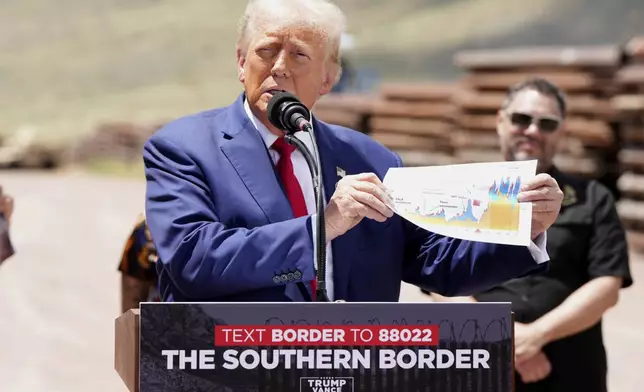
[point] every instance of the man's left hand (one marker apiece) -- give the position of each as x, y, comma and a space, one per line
546, 197
528, 342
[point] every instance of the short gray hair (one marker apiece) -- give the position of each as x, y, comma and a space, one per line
319, 14
542, 86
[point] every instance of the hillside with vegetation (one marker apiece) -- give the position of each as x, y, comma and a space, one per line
67, 65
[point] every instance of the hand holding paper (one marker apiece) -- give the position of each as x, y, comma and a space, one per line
486, 202
546, 197
356, 197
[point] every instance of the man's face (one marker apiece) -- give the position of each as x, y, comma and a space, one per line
530, 128
283, 57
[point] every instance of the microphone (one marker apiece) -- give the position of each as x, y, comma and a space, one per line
288, 114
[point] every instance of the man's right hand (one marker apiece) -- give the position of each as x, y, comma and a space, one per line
356, 197
534, 369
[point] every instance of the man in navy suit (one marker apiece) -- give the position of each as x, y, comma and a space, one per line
232, 213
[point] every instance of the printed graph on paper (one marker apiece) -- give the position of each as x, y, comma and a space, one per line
471, 201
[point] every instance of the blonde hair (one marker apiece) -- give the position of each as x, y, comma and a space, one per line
321, 15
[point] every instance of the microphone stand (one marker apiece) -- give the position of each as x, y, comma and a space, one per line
315, 168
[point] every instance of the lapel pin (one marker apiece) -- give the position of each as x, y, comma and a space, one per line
340, 172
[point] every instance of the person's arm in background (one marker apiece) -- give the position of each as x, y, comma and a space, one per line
138, 273
608, 270
6, 211
6, 206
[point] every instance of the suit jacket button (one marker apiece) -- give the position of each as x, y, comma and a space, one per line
276, 279
297, 275
291, 276
284, 278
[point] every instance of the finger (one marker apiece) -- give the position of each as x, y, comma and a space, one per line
372, 178
523, 373
544, 206
362, 210
546, 365
372, 202
541, 179
543, 193
373, 189
541, 372
522, 358
521, 368
528, 376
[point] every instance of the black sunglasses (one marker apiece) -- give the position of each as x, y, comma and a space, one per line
545, 124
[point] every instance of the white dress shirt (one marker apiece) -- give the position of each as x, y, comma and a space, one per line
537, 248
303, 175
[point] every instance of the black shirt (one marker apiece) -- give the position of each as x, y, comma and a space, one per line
586, 241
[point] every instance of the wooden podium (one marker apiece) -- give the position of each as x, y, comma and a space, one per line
126, 348
168, 347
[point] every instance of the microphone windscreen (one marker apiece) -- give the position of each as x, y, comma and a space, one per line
274, 110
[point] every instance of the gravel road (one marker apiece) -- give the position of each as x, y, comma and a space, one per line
59, 294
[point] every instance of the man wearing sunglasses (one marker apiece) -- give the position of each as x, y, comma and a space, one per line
558, 332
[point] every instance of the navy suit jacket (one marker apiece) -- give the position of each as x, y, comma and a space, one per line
224, 229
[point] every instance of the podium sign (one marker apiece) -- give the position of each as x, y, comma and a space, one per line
326, 347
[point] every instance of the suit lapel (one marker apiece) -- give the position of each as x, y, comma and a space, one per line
246, 151
344, 247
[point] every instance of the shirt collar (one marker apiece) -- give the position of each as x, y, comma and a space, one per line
269, 137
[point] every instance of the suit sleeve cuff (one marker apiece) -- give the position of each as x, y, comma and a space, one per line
538, 250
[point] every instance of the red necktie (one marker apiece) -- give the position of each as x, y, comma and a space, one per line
291, 184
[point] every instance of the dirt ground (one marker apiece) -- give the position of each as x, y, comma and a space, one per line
59, 295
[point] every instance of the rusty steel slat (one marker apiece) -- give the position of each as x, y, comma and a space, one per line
344, 118
630, 75
540, 56
463, 139
413, 157
628, 103
424, 91
412, 126
635, 240
631, 159
407, 142
631, 210
631, 185
472, 155
358, 103
416, 109
569, 81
